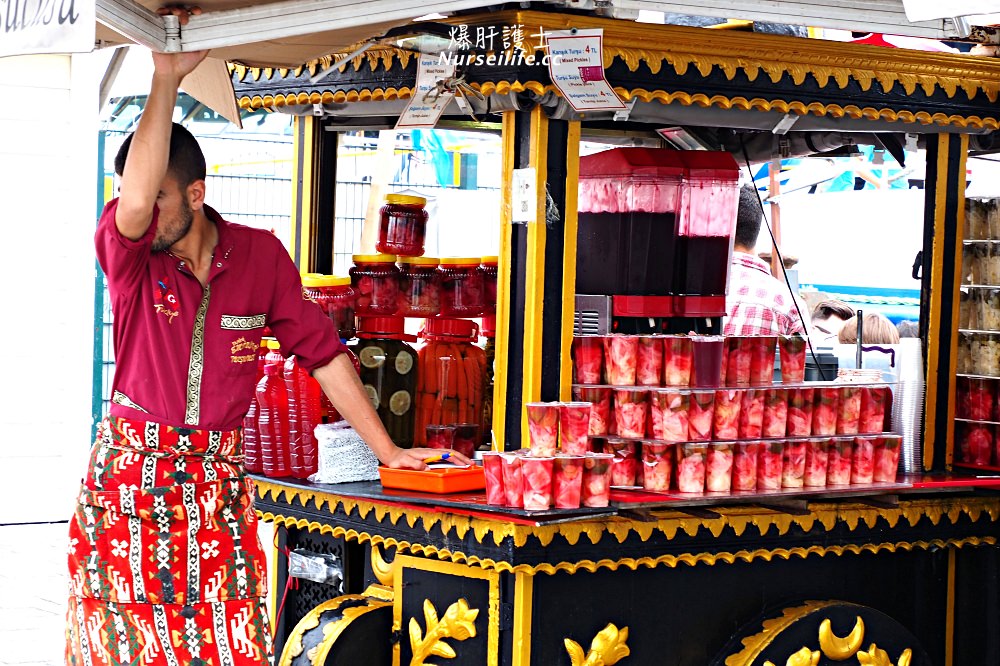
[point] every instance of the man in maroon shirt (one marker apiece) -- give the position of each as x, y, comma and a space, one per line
164, 560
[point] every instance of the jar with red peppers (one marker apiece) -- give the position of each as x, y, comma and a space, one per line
451, 377
419, 287
336, 298
402, 225
375, 279
488, 268
461, 287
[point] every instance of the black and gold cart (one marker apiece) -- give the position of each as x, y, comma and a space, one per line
910, 578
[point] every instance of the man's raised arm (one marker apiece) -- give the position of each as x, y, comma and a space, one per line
146, 164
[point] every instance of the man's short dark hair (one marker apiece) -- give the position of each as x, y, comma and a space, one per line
832, 308
186, 162
748, 217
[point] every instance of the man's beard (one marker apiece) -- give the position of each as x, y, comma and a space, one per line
185, 219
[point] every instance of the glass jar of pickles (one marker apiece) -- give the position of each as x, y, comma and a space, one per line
488, 269
389, 373
375, 280
336, 298
419, 287
461, 287
402, 225
451, 383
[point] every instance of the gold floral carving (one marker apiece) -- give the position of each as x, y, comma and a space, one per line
607, 648
877, 657
383, 570
458, 623
838, 648
293, 647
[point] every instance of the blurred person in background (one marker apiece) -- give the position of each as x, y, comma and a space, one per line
757, 303
878, 330
827, 319
908, 329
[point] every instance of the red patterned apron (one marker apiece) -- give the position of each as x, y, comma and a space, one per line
164, 561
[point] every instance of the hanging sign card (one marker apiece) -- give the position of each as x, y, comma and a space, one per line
576, 65
428, 101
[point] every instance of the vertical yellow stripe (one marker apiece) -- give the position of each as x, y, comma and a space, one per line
504, 268
569, 260
534, 287
275, 599
523, 601
303, 175
934, 323
959, 175
949, 620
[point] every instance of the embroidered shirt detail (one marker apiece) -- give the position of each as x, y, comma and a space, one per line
196, 364
165, 300
238, 323
120, 398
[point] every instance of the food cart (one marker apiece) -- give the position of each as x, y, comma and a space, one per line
906, 575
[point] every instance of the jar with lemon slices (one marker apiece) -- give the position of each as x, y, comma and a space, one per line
389, 373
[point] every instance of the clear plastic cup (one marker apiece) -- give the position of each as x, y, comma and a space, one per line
793, 463
599, 398
701, 415
543, 428
574, 427
838, 471
657, 464
649, 361
745, 465
886, 454
825, 410
726, 421
873, 399
631, 412
624, 465
719, 467
800, 412
739, 359
707, 354
817, 459
567, 481
751, 414
440, 436
863, 460
792, 349
677, 360
513, 480
775, 422
537, 489
769, 464
762, 360
849, 410
493, 470
691, 466
466, 438
588, 359
596, 491
620, 353
668, 411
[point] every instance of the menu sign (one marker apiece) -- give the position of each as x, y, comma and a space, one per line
576, 65
428, 101
47, 26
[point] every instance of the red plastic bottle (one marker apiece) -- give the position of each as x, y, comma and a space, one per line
303, 415
251, 432
272, 417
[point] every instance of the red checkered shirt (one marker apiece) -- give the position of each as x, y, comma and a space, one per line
757, 303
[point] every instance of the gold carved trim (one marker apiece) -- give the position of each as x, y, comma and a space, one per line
458, 623
369, 60
383, 570
607, 648
669, 523
671, 561
333, 629
837, 648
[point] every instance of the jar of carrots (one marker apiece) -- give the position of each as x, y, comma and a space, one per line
451, 377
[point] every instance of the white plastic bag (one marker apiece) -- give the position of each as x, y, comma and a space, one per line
343, 455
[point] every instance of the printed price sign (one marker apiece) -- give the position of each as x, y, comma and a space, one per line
427, 103
524, 198
576, 65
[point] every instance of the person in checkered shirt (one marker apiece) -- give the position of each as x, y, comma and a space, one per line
757, 302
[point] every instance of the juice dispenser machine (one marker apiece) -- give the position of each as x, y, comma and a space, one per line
655, 239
